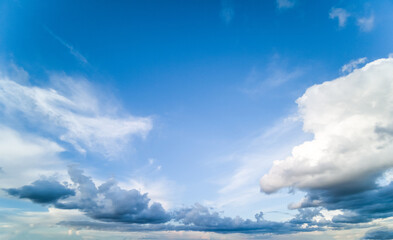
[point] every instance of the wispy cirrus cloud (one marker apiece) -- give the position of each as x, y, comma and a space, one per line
275, 74
73, 113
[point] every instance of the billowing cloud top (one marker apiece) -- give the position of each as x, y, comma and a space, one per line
351, 119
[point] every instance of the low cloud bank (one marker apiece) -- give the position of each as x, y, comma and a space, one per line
113, 208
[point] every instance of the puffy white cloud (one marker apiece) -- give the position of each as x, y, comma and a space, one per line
72, 112
351, 119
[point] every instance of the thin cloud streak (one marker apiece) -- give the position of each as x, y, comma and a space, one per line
352, 65
71, 48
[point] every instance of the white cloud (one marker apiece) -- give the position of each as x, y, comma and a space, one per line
341, 14
353, 64
285, 3
351, 119
73, 113
24, 158
366, 24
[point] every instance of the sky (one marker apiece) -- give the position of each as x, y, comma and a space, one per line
259, 119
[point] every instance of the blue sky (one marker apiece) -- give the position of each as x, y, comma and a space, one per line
187, 119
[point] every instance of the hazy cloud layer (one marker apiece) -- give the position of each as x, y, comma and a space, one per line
285, 3
227, 11
25, 157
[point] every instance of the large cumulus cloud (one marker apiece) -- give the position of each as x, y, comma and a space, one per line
351, 119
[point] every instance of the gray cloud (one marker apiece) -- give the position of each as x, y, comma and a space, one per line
42, 191
358, 207
109, 202
380, 233
200, 218
115, 209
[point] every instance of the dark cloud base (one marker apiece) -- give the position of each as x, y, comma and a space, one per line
42, 191
115, 209
381, 233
